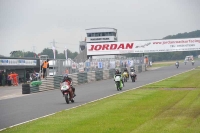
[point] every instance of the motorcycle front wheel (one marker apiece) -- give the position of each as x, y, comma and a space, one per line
67, 98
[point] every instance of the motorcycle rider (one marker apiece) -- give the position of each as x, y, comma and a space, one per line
185, 61
177, 63
66, 78
117, 73
126, 70
133, 70
192, 62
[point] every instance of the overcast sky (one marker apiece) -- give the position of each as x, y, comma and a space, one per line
28, 23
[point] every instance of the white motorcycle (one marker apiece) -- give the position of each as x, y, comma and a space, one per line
177, 65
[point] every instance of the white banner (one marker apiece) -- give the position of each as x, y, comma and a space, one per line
74, 65
112, 64
130, 63
151, 46
17, 62
117, 63
100, 65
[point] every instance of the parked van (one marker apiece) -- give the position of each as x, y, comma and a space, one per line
189, 58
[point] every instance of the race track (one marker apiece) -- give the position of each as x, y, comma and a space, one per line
20, 109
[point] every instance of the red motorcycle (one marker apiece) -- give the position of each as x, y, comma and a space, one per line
67, 91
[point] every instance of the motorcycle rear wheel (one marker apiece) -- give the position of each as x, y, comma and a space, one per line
72, 100
133, 79
118, 85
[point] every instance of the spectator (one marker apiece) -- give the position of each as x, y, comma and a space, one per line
27, 76
44, 66
9, 79
15, 82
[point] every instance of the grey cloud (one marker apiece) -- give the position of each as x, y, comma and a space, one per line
25, 23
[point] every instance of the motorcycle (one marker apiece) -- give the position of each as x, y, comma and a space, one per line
177, 65
133, 76
193, 63
67, 92
185, 63
118, 82
125, 76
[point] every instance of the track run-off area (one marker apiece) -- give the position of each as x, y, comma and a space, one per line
16, 108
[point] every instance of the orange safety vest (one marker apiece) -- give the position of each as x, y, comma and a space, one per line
45, 64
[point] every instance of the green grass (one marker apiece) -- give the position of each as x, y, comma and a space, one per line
162, 64
169, 106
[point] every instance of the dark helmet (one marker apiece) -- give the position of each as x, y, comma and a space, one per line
116, 71
132, 69
65, 76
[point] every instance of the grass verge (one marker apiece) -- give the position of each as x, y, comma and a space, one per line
163, 64
169, 106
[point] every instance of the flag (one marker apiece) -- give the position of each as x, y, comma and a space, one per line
54, 51
66, 52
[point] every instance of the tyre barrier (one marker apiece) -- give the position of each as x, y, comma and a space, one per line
53, 82
82, 78
98, 75
57, 80
111, 73
26, 89
91, 76
34, 89
105, 74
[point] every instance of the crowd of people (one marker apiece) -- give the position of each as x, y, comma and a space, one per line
12, 78
9, 79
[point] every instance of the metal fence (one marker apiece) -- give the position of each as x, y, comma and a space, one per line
60, 67
53, 82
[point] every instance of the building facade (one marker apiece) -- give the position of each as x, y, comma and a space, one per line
99, 35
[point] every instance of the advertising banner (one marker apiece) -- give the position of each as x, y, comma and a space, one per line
100, 65
87, 64
117, 63
81, 67
130, 63
17, 62
74, 65
106, 65
112, 64
151, 46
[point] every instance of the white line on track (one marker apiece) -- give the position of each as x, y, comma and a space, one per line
93, 101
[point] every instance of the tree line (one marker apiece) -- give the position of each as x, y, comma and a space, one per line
45, 51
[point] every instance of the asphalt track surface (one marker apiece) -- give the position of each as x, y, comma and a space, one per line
31, 106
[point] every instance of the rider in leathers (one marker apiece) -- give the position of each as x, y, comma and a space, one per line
67, 78
133, 70
117, 73
126, 70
